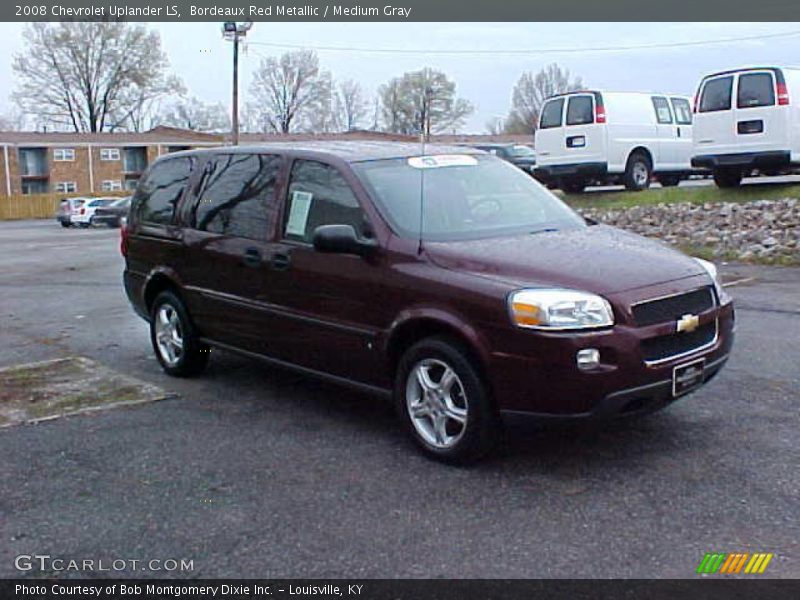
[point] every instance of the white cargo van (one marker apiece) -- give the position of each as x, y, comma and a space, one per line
599, 138
745, 123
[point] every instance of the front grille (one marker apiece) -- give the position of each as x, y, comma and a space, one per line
665, 347
672, 308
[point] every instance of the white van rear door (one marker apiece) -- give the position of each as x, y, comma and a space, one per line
584, 140
761, 123
550, 135
667, 154
714, 127
682, 109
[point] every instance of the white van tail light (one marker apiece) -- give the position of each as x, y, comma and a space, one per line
599, 109
783, 94
696, 102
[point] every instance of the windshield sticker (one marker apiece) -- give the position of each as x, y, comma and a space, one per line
298, 214
442, 160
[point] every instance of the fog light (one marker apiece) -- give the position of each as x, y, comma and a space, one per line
588, 358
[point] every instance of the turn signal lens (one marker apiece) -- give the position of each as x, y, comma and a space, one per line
559, 309
526, 314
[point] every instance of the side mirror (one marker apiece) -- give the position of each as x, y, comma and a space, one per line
341, 239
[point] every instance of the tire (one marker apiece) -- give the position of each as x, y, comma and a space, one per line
638, 172
64, 224
83, 225
669, 180
91, 222
573, 186
437, 428
727, 178
170, 322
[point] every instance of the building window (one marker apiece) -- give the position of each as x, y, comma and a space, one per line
131, 184
109, 154
33, 162
112, 185
134, 159
63, 154
34, 186
66, 187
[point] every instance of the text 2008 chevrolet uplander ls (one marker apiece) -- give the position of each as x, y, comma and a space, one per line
507, 304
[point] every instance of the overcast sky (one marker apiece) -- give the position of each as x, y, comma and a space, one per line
203, 60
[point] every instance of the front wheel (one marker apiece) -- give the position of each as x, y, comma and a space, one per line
669, 180
174, 338
443, 402
638, 172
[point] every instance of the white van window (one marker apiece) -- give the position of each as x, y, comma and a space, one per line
663, 114
716, 94
551, 114
682, 110
579, 110
755, 89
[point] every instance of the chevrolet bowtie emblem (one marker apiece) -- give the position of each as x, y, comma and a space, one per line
688, 323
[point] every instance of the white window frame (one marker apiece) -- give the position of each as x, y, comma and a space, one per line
111, 185
110, 154
63, 187
64, 154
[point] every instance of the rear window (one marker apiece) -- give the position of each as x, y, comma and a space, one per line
755, 89
716, 94
157, 196
551, 114
579, 110
663, 114
682, 110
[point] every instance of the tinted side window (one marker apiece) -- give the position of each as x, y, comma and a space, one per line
716, 94
579, 110
755, 89
162, 189
319, 195
237, 195
663, 114
682, 110
551, 114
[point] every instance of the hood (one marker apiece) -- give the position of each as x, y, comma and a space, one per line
597, 259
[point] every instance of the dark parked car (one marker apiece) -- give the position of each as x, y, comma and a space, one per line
112, 214
451, 282
519, 155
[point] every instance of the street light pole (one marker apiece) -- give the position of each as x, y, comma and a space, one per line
232, 32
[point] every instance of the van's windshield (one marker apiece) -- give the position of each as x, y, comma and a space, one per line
463, 197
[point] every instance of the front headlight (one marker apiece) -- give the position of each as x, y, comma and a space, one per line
711, 269
559, 309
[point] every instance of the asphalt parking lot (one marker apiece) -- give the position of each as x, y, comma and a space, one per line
256, 472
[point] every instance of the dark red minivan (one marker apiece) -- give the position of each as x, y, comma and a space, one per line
449, 280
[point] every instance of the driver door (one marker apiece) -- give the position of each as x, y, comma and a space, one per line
330, 304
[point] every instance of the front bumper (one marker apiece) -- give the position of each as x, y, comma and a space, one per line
776, 159
536, 374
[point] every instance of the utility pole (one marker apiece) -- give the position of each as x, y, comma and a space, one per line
232, 32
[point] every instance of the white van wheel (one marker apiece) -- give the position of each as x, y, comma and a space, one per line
727, 178
637, 172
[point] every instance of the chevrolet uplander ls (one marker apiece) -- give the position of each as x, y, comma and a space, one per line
444, 277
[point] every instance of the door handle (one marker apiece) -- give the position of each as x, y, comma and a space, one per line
280, 261
679, 132
252, 257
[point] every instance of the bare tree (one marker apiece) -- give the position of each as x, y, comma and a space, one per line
196, 115
285, 90
422, 101
530, 93
13, 120
495, 126
350, 107
320, 116
89, 76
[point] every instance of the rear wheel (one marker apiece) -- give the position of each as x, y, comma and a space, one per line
443, 402
727, 178
638, 172
174, 338
573, 186
64, 224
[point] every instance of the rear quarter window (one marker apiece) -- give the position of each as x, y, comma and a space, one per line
716, 94
755, 89
579, 110
682, 110
157, 196
661, 106
551, 114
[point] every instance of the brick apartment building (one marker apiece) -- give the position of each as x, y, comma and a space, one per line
94, 163
86, 163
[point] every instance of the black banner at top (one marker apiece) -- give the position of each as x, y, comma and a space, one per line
398, 10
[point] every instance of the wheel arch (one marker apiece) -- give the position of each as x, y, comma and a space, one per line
158, 281
641, 150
